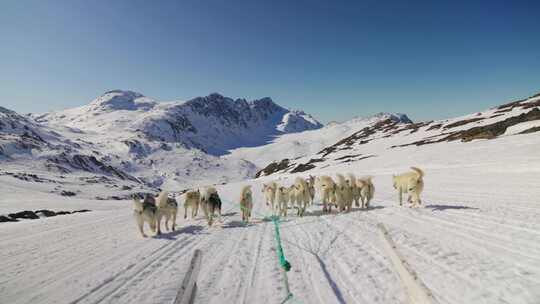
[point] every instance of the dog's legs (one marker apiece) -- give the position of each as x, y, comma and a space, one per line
158, 223
400, 197
174, 220
140, 224
185, 211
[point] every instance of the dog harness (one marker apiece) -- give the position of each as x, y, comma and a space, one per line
172, 202
214, 199
148, 206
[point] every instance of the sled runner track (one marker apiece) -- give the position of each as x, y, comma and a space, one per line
97, 261
332, 253
134, 269
368, 250
467, 270
431, 256
299, 258
475, 227
473, 240
64, 227
507, 263
177, 254
343, 275
218, 258
55, 272
131, 273
499, 221
251, 279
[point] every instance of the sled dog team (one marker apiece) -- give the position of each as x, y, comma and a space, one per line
341, 193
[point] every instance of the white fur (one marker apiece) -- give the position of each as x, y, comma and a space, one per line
141, 216
355, 191
246, 202
344, 194
411, 183
282, 197
300, 193
269, 191
192, 200
326, 186
366, 190
165, 210
205, 204
311, 188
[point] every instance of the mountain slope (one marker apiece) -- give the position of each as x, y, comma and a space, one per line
297, 145
382, 135
214, 123
126, 136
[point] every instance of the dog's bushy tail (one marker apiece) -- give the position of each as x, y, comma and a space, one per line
137, 205
418, 171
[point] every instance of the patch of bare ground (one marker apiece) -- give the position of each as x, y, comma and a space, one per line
307, 166
353, 158
273, 168
530, 130
484, 132
463, 122
434, 127
360, 137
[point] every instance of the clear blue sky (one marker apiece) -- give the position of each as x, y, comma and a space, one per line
334, 59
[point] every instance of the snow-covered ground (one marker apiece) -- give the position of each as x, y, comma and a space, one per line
477, 240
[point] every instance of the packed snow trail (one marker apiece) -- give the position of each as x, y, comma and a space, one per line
470, 243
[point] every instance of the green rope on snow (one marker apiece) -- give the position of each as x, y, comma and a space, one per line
282, 261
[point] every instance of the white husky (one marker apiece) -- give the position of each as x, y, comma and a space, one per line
326, 186
366, 190
411, 183
282, 197
299, 195
192, 200
344, 194
246, 202
166, 208
355, 192
144, 211
269, 191
311, 188
210, 202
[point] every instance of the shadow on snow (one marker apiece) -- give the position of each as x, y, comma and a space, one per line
449, 207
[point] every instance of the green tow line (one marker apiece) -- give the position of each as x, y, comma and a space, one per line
282, 261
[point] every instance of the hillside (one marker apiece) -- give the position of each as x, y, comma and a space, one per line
385, 137
125, 140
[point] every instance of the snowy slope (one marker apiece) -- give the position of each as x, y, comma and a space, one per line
477, 239
384, 136
296, 145
174, 144
472, 243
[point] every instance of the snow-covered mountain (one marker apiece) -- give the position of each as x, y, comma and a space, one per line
131, 139
214, 123
134, 141
295, 145
384, 133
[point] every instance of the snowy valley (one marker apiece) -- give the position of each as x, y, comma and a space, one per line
476, 239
